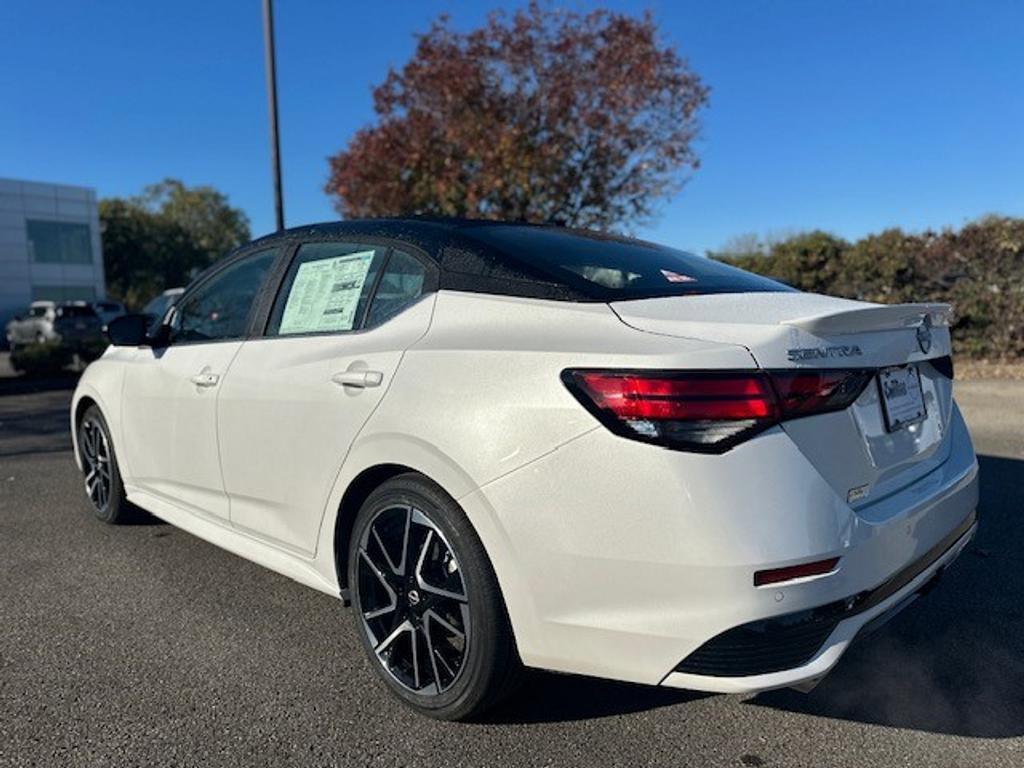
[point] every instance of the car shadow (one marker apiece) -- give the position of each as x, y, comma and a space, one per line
954, 662
546, 697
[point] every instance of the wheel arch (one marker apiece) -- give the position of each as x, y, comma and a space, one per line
81, 405
357, 491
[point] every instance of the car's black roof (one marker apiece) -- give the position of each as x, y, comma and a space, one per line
540, 261
464, 263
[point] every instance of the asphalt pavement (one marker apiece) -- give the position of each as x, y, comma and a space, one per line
143, 645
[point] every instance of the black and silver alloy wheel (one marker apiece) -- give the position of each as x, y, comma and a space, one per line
96, 465
103, 484
427, 603
414, 606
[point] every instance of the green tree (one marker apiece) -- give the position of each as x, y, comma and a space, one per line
203, 212
163, 237
542, 115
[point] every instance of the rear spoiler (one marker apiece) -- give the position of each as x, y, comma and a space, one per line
884, 317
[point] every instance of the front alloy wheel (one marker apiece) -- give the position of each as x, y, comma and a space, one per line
103, 484
96, 466
427, 603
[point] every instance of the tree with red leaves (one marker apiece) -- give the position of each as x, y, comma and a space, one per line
544, 116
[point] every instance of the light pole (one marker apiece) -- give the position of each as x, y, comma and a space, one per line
275, 145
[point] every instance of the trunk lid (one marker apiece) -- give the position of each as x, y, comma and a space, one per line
852, 449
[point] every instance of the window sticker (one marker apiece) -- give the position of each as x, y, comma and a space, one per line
675, 277
325, 293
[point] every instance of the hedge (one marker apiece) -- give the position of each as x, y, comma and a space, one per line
978, 269
44, 359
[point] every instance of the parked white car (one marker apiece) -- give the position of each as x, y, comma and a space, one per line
508, 444
34, 326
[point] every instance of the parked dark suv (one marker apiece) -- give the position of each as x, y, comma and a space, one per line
78, 325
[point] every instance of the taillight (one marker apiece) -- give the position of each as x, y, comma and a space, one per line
802, 393
708, 411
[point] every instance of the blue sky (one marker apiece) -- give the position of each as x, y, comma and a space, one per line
848, 116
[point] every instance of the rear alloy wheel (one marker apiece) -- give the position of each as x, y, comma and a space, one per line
428, 607
103, 484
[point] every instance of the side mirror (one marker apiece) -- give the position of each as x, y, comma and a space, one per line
128, 331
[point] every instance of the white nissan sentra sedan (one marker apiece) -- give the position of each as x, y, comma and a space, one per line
512, 445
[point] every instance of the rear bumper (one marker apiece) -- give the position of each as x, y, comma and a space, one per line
620, 560
819, 636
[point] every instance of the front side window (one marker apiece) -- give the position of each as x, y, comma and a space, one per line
220, 309
326, 288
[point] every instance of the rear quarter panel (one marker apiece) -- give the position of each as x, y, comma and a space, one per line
480, 396
482, 391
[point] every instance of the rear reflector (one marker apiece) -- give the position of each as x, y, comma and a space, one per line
708, 411
777, 575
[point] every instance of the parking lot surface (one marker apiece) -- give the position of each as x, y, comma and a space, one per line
143, 645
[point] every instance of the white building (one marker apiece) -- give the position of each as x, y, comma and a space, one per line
49, 245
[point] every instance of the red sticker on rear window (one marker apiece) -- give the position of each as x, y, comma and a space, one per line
675, 277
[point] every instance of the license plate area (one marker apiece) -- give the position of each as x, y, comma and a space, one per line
902, 396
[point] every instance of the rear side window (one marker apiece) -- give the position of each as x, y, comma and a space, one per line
615, 269
400, 285
326, 288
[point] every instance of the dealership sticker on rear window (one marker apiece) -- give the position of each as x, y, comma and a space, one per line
675, 277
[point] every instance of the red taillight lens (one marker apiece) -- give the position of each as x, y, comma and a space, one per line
691, 410
802, 393
708, 411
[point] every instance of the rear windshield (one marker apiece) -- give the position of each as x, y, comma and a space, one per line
615, 269
76, 312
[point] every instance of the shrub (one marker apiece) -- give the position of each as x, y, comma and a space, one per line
978, 269
45, 359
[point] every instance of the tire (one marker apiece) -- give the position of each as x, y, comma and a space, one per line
419, 577
103, 486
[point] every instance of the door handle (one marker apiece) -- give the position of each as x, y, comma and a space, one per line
205, 379
360, 379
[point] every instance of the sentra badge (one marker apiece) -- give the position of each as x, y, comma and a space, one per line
803, 354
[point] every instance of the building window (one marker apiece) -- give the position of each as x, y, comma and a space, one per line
60, 293
59, 242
